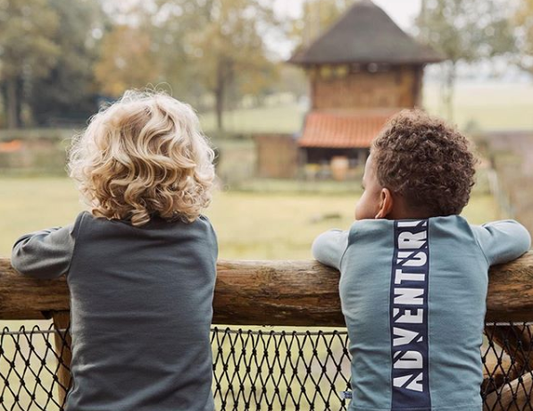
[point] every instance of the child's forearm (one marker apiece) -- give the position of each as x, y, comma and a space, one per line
329, 247
44, 254
503, 241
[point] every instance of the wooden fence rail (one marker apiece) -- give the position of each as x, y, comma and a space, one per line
283, 293
286, 293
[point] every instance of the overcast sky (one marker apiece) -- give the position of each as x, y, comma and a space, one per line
402, 12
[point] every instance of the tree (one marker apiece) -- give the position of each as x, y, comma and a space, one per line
464, 31
524, 40
172, 24
69, 88
198, 47
147, 46
27, 48
127, 60
318, 16
260, 82
230, 45
293, 80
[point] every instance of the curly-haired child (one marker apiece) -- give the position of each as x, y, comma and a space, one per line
141, 264
414, 273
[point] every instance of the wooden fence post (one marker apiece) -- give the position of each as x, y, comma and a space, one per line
516, 341
514, 397
62, 344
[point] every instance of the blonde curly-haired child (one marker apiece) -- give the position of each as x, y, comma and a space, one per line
141, 263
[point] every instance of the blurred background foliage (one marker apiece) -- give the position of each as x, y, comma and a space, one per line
59, 60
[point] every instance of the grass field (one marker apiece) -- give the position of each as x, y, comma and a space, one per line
488, 106
249, 225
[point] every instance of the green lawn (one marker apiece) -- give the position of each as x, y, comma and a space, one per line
249, 225
280, 119
490, 107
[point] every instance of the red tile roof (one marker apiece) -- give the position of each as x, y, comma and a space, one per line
342, 129
11, 146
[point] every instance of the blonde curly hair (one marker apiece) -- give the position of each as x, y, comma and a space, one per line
144, 156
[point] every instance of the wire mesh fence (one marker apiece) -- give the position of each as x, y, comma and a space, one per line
262, 369
280, 370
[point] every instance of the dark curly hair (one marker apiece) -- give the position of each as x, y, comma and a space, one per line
426, 161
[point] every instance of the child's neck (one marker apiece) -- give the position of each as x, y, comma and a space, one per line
403, 211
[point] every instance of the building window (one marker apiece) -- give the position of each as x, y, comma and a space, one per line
341, 71
355, 68
378, 68
326, 72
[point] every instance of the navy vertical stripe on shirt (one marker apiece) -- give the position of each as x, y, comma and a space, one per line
409, 316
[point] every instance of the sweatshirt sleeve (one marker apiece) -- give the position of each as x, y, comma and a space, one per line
44, 254
502, 241
328, 248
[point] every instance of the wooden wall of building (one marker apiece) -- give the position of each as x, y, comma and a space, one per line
333, 87
277, 155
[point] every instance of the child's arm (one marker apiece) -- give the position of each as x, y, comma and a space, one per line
44, 254
502, 241
328, 248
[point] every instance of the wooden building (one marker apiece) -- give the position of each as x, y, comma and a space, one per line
361, 71
278, 155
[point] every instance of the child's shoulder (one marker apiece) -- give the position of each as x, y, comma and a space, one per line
371, 226
374, 232
453, 224
87, 221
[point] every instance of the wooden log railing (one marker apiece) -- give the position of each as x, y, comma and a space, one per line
294, 293
281, 293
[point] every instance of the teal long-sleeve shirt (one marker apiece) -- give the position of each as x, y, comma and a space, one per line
413, 295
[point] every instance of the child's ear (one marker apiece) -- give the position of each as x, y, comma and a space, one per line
386, 203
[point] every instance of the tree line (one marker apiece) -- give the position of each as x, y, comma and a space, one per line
59, 59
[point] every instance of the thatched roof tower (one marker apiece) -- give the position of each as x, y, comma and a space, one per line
365, 34
362, 69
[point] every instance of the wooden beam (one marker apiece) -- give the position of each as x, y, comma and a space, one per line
277, 293
516, 341
510, 293
63, 342
24, 298
287, 293
513, 397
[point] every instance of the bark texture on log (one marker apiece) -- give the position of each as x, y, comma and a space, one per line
510, 294
284, 293
277, 293
24, 298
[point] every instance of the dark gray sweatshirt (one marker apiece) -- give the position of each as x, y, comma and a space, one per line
141, 309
